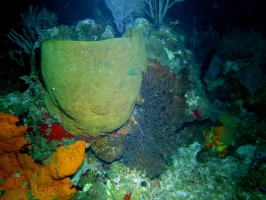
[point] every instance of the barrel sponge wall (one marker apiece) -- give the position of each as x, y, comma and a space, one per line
92, 86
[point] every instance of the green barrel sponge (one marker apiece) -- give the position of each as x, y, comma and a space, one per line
92, 86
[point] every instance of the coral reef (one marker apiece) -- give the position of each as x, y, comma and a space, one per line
230, 125
185, 178
21, 177
147, 148
67, 160
222, 136
182, 138
11, 133
109, 95
213, 138
123, 180
53, 131
28, 105
143, 24
13, 181
105, 150
53, 180
14, 184
155, 50
108, 33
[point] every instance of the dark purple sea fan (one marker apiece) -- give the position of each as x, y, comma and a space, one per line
149, 147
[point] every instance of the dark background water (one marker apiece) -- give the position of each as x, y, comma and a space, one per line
204, 15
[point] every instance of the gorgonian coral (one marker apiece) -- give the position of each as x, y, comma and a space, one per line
149, 146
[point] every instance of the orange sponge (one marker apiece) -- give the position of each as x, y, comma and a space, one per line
66, 160
15, 184
53, 181
10, 134
21, 175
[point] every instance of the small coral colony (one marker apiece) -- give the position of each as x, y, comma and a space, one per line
123, 110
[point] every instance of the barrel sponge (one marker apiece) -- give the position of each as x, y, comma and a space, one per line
92, 86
